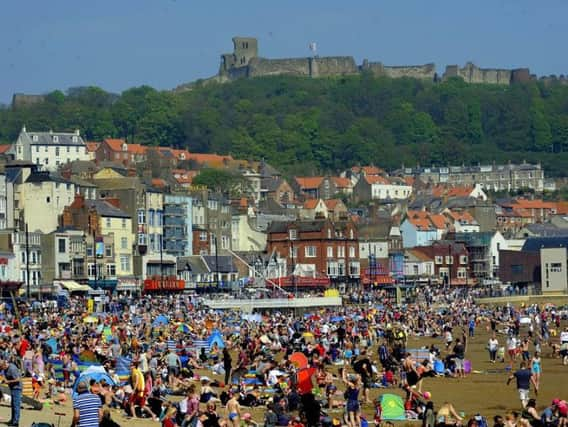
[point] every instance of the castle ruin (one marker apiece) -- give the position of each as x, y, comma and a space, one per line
244, 62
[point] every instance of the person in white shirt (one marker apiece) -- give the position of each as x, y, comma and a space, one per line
492, 347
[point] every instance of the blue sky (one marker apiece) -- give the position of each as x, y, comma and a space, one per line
56, 44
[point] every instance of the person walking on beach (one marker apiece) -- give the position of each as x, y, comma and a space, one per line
13, 379
524, 378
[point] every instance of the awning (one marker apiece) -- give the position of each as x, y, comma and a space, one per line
73, 286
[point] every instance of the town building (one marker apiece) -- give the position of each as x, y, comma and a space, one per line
178, 225
508, 177
319, 248
49, 150
377, 187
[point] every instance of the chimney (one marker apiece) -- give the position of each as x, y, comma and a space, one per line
50, 132
66, 217
24, 128
77, 133
78, 201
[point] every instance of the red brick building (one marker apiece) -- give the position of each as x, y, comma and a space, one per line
201, 239
320, 247
450, 259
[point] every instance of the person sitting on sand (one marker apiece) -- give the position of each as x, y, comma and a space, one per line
447, 415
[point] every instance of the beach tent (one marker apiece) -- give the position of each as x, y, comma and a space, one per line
122, 368
392, 407
160, 320
215, 338
96, 373
52, 343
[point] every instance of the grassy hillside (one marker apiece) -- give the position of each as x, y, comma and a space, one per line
313, 125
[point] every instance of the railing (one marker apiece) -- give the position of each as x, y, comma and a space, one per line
248, 305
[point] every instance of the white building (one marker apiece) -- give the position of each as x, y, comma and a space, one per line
50, 149
44, 198
554, 276
381, 188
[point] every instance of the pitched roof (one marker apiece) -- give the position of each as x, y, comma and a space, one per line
424, 220
535, 244
311, 204
114, 144
332, 203
342, 182
92, 146
106, 209
460, 191
47, 138
309, 182
209, 159
534, 204
220, 263
463, 217
376, 179
367, 170
4, 148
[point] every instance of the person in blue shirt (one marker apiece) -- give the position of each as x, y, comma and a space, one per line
471, 327
13, 378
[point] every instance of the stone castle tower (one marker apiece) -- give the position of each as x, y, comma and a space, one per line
244, 49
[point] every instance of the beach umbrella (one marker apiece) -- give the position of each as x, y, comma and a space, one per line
87, 356
299, 360
160, 320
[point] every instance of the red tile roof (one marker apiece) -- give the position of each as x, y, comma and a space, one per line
92, 146
342, 182
460, 191
4, 148
311, 203
114, 144
562, 208
213, 160
309, 182
534, 204
375, 179
332, 203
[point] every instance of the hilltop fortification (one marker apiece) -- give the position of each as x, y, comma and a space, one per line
244, 62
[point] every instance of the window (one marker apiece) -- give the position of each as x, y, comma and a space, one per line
310, 251
159, 222
332, 269
351, 252
329, 233
330, 251
354, 269
142, 239
141, 216
463, 259
89, 251
293, 252
108, 223
224, 242
556, 267
123, 222
293, 234
35, 138
61, 246
108, 251
151, 217
55, 138
124, 243
91, 270
33, 258
56, 151
341, 252
351, 234
449, 259
68, 148
111, 270
37, 148
203, 236
341, 268
125, 262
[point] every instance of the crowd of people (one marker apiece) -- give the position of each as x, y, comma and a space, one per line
309, 370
